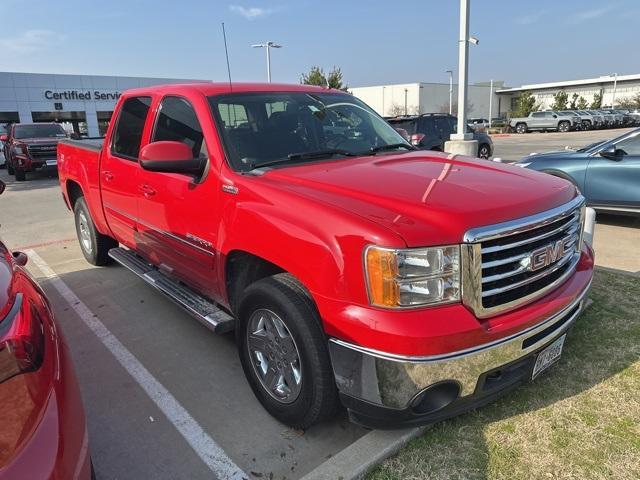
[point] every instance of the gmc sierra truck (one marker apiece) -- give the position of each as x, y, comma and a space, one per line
31, 146
407, 285
545, 121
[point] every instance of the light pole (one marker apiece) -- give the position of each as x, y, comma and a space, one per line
405, 102
463, 70
450, 72
490, 101
615, 84
267, 46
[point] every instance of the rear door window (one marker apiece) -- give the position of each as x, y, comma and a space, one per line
128, 133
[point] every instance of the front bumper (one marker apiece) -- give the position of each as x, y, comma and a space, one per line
382, 390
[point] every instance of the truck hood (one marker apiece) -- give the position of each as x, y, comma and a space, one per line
427, 199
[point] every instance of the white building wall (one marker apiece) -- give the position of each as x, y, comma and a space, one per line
25, 93
388, 100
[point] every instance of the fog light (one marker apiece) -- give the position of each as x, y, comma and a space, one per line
436, 397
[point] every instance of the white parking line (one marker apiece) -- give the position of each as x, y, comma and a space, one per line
204, 446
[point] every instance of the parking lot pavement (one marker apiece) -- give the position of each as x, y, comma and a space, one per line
515, 146
129, 419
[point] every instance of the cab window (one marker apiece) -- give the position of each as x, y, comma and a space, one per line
128, 132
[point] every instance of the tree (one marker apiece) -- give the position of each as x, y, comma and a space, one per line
560, 100
597, 101
316, 76
574, 101
396, 110
526, 104
582, 103
631, 103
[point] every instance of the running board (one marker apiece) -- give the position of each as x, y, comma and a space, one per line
202, 309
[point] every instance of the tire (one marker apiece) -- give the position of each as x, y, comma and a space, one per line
94, 245
586, 125
10, 169
521, 128
21, 175
484, 151
290, 333
564, 127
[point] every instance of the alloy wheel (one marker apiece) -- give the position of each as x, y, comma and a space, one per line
274, 356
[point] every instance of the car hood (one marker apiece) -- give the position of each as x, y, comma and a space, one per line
425, 198
564, 154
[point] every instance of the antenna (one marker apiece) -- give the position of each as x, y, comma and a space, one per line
226, 52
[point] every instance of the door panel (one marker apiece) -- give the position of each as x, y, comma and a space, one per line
616, 183
119, 169
177, 227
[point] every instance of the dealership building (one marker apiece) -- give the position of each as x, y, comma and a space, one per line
82, 103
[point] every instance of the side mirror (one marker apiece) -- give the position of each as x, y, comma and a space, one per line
611, 152
170, 157
2, 186
403, 133
4, 137
555, 116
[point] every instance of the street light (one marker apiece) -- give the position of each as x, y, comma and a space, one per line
267, 46
450, 72
615, 84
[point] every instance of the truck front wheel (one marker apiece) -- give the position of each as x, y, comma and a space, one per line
21, 175
10, 169
283, 351
564, 127
94, 245
521, 128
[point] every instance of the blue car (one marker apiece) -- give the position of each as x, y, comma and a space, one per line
607, 173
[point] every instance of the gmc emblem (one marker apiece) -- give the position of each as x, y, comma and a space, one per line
545, 256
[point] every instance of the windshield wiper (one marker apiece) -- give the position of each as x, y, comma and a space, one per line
391, 146
302, 156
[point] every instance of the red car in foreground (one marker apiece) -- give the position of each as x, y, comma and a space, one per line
42, 426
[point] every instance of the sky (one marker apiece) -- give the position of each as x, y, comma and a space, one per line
373, 42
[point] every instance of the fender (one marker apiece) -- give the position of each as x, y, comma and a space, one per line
314, 242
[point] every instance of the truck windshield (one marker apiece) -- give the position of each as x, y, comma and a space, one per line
38, 131
261, 128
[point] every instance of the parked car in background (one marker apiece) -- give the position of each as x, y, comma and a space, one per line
430, 131
616, 118
586, 120
42, 424
31, 146
548, 120
597, 118
607, 173
4, 128
479, 123
409, 285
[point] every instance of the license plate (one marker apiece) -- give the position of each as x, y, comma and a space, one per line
548, 357
52, 162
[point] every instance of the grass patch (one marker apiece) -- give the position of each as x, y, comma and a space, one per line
581, 420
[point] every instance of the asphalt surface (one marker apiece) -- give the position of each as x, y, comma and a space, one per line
131, 435
513, 147
159, 388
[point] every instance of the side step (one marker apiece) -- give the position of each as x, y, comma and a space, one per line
202, 309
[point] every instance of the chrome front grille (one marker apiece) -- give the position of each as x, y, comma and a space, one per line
513, 263
43, 151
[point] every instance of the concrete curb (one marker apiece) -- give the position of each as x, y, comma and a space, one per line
619, 272
364, 454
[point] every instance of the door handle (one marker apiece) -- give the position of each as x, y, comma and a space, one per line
146, 190
108, 176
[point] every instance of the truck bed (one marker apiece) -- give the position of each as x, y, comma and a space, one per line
93, 143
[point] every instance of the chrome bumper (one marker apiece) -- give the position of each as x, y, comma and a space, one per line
393, 381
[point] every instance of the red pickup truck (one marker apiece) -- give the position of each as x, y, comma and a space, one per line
31, 146
407, 285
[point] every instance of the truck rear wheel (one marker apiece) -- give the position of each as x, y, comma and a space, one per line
283, 351
94, 245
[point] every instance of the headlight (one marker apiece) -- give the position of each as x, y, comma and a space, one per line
412, 277
522, 164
